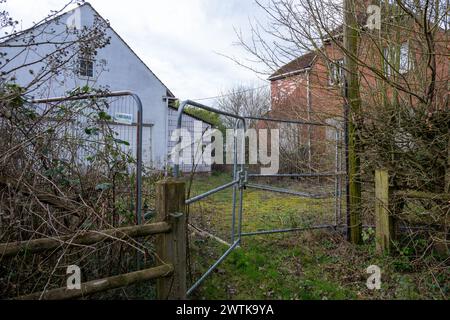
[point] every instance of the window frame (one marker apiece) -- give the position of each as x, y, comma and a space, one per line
83, 71
405, 66
401, 54
336, 72
387, 52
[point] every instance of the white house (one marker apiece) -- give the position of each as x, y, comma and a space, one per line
115, 67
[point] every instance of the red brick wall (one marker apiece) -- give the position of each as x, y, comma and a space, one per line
289, 95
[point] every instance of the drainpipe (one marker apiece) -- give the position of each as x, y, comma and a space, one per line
308, 106
166, 134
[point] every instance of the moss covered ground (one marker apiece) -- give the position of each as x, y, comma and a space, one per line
317, 264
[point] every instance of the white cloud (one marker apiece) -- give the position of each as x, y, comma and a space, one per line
178, 39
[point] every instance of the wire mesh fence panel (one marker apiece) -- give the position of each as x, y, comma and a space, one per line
301, 190
196, 130
212, 216
307, 190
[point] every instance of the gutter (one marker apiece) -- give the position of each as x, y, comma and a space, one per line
288, 74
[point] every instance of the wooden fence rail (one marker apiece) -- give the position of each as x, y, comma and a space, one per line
82, 238
170, 228
100, 285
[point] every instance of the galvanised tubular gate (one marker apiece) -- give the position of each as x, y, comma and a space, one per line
237, 182
241, 176
139, 126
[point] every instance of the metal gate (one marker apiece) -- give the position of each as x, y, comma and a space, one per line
243, 179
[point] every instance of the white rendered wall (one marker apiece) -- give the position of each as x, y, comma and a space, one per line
123, 70
116, 68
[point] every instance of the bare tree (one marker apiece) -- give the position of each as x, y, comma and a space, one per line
62, 168
245, 101
297, 27
399, 72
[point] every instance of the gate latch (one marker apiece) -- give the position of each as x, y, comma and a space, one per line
243, 178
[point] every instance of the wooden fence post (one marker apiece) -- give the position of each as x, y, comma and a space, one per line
384, 222
171, 247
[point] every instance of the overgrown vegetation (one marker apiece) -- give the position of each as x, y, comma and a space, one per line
307, 265
392, 91
63, 171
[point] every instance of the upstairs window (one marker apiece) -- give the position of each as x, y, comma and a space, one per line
86, 67
405, 63
336, 72
387, 52
397, 56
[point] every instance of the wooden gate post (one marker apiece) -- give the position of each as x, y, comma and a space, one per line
383, 217
171, 247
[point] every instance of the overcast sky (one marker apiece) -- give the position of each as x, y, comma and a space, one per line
178, 39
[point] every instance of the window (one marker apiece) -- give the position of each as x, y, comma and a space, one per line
336, 72
86, 67
387, 61
397, 56
404, 58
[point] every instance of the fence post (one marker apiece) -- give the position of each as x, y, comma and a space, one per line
171, 247
384, 222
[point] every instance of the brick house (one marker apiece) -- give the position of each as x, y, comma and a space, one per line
310, 87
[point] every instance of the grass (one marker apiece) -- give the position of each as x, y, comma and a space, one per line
262, 210
307, 265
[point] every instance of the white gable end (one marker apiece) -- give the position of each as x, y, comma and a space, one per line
115, 67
